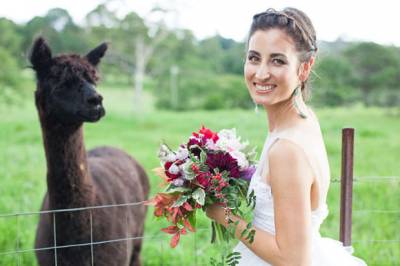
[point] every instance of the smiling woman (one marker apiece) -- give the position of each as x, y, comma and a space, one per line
292, 180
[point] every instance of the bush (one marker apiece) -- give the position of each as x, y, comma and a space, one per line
204, 91
10, 81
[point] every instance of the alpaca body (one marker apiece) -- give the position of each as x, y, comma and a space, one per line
65, 99
107, 223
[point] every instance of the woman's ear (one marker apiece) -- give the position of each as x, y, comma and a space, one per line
305, 69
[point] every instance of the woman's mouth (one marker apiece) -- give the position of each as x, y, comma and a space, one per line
262, 89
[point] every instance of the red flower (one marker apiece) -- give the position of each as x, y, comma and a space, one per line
203, 179
208, 134
200, 139
195, 168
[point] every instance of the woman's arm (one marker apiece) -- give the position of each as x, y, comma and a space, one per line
291, 178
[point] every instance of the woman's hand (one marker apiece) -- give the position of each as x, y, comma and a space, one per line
216, 212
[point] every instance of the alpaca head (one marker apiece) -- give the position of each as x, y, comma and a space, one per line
66, 85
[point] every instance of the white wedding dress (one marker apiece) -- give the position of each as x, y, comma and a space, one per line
325, 251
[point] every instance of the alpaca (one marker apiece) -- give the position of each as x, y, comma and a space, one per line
66, 98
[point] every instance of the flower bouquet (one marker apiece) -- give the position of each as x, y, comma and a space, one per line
210, 168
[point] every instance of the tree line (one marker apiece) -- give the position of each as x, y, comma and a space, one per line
185, 73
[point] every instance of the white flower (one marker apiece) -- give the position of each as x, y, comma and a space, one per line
178, 182
240, 158
228, 141
173, 169
182, 153
165, 154
211, 145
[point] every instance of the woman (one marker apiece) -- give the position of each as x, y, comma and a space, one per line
292, 180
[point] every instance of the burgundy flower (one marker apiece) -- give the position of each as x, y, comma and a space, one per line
224, 162
194, 151
171, 177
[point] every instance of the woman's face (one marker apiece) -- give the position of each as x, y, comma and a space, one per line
271, 68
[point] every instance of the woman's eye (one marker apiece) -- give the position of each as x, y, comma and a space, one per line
253, 59
277, 61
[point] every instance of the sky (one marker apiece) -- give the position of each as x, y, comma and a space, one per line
352, 20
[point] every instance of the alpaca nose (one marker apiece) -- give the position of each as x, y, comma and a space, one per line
95, 99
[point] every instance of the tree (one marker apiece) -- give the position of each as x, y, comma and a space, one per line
332, 86
136, 40
374, 67
10, 39
59, 29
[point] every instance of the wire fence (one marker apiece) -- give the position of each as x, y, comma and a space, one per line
18, 251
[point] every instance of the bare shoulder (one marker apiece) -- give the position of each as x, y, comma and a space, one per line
288, 164
285, 149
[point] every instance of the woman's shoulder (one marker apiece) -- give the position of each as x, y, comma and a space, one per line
287, 159
285, 148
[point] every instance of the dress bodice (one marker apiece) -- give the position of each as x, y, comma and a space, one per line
264, 209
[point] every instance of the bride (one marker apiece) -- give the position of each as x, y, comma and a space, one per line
292, 179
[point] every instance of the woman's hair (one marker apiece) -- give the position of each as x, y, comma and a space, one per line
297, 25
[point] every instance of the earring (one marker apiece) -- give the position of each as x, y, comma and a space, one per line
296, 106
256, 108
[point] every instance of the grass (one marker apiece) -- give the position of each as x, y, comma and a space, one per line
377, 146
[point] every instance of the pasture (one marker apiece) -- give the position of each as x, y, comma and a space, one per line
377, 154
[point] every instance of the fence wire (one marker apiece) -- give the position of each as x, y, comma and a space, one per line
92, 244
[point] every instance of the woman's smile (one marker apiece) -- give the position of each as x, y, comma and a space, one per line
264, 89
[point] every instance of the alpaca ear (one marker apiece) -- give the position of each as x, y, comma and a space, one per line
96, 54
40, 55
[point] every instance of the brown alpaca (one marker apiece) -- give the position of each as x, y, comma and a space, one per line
65, 99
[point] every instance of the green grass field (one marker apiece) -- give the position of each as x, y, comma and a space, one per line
377, 150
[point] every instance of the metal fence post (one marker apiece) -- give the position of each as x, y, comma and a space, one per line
346, 191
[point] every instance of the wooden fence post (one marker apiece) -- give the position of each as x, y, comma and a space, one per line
346, 191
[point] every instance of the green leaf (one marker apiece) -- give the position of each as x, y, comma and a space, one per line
233, 258
235, 253
213, 232
171, 189
203, 156
243, 233
249, 225
192, 219
189, 174
181, 200
198, 195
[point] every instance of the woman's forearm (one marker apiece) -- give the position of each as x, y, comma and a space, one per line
264, 244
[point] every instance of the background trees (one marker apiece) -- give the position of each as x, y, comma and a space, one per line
182, 72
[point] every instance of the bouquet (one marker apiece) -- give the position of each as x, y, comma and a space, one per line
210, 168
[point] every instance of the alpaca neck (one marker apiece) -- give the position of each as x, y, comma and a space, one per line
69, 182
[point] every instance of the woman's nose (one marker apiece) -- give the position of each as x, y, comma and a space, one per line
262, 72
